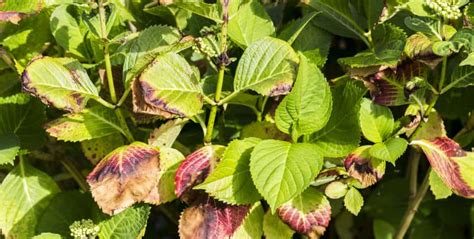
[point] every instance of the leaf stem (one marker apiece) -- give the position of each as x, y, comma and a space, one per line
75, 173
413, 163
413, 207
123, 124
124, 96
220, 80
228, 98
105, 103
108, 65
443, 74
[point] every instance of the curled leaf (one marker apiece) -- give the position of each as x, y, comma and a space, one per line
195, 168
125, 176
60, 82
308, 213
211, 220
168, 87
451, 163
361, 166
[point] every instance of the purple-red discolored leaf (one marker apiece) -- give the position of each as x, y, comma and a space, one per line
211, 220
451, 163
308, 213
124, 177
361, 166
195, 168
12, 16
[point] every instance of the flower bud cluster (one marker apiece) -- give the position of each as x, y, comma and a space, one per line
445, 8
202, 46
84, 229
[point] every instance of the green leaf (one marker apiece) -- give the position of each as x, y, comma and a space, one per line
383, 230
376, 121
130, 223
389, 150
251, 23
274, 228
252, 226
268, 66
338, 14
462, 76
92, 123
263, 130
200, 8
24, 117
96, 149
336, 190
28, 39
9, 148
281, 170
353, 201
24, 195
438, 188
21, 6
61, 82
67, 32
169, 87
468, 61
63, 210
48, 235
341, 134
425, 26
308, 106
389, 42
230, 180
152, 38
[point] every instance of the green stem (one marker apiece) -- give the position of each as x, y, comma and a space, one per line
228, 98
75, 173
108, 65
413, 163
220, 79
105, 103
123, 124
443, 74
124, 96
413, 207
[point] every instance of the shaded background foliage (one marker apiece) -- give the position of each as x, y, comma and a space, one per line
57, 28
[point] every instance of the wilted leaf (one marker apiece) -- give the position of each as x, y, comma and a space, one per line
268, 66
211, 220
167, 133
451, 163
92, 123
170, 159
168, 87
309, 213
230, 180
195, 168
60, 82
12, 16
361, 166
281, 170
125, 176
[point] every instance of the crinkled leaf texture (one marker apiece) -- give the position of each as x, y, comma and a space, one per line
24, 195
308, 213
211, 220
308, 106
268, 66
363, 167
195, 168
341, 134
451, 163
168, 87
21, 119
91, 123
281, 170
125, 176
251, 23
130, 223
60, 82
230, 180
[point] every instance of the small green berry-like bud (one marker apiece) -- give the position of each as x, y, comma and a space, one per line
84, 229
